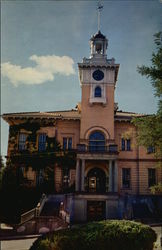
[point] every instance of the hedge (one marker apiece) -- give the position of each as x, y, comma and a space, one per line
103, 235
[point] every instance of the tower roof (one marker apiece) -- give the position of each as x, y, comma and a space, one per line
98, 35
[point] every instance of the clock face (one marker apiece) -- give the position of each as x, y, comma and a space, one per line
98, 75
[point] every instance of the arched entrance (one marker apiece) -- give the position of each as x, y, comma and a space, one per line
96, 180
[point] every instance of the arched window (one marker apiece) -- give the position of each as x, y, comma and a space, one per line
97, 92
97, 142
99, 48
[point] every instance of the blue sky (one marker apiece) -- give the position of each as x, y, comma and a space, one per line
42, 42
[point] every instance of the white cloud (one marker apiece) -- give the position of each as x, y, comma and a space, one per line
45, 70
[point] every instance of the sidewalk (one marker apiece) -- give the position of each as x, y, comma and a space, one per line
20, 244
158, 230
18, 237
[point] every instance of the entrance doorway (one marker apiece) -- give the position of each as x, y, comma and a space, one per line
96, 180
96, 210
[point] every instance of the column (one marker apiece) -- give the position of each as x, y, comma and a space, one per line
82, 174
110, 175
77, 181
116, 178
113, 175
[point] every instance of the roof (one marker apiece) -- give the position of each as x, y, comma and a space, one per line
98, 35
52, 115
126, 116
73, 114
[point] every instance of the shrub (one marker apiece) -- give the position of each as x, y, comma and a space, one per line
103, 235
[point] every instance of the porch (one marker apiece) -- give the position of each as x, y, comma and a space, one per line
96, 173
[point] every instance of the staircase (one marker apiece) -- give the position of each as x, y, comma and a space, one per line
50, 208
44, 218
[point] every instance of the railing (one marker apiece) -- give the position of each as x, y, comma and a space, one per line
63, 214
36, 153
28, 215
111, 148
35, 212
40, 205
26, 154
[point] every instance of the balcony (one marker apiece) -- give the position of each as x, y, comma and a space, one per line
109, 149
42, 159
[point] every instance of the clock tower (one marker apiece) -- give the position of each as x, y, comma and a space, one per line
98, 76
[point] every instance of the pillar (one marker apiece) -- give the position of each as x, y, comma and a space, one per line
110, 175
116, 178
77, 179
82, 174
113, 176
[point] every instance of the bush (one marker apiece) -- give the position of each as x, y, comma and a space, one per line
103, 235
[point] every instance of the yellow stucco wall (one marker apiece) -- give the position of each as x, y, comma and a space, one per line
97, 115
92, 117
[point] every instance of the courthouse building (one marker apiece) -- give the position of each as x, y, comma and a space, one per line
107, 166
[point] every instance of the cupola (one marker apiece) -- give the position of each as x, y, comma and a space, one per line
98, 44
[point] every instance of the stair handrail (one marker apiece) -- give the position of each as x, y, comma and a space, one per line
28, 215
40, 205
35, 212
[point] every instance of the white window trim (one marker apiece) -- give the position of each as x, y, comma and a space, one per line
94, 99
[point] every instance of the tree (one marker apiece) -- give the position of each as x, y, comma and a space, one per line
15, 198
1, 162
150, 126
2, 168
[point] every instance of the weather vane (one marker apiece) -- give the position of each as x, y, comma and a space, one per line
99, 8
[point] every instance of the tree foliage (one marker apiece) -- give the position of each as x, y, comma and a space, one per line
15, 198
2, 168
154, 72
150, 132
1, 162
149, 128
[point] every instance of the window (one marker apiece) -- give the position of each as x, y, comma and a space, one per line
97, 92
40, 177
97, 142
150, 150
98, 48
67, 143
42, 142
151, 177
22, 141
126, 177
125, 144
128, 142
66, 181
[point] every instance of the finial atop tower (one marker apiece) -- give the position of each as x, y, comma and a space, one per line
98, 41
99, 8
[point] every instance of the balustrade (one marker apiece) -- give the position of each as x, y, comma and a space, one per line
111, 148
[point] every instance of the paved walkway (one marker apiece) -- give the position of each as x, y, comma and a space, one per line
24, 244
158, 231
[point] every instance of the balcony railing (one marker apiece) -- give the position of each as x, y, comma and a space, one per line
111, 148
81, 148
